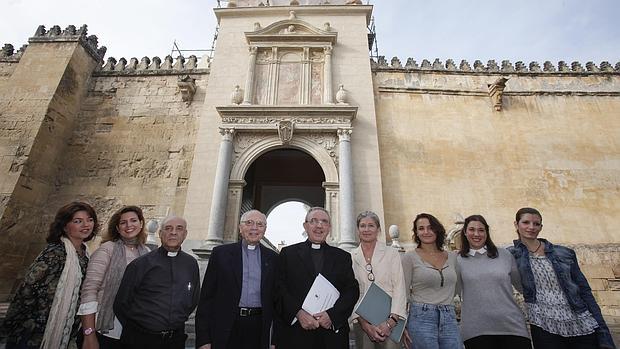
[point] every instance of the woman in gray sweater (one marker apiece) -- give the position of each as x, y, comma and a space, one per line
490, 316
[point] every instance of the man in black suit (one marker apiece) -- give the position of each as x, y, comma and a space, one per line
299, 265
236, 304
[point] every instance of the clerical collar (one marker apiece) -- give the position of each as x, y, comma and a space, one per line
251, 247
481, 250
172, 254
248, 246
315, 246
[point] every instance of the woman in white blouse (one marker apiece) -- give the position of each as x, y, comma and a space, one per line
374, 262
124, 241
430, 276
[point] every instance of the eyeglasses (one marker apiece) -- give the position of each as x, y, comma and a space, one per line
250, 223
371, 276
315, 221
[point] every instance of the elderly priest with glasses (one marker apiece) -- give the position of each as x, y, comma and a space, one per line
236, 304
298, 268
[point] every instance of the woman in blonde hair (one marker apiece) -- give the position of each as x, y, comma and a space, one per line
124, 241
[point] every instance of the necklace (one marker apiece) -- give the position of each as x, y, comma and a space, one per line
537, 248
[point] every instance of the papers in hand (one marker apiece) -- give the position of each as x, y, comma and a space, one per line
375, 308
321, 296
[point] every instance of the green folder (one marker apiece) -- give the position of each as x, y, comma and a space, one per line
375, 308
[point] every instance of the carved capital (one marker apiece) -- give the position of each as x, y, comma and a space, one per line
187, 87
227, 134
253, 50
328, 50
344, 134
496, 91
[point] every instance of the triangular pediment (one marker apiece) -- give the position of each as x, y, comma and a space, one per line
291, 30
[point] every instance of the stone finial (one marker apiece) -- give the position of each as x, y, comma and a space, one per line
40, 31
256, 26
394, 235
192, 62
496, 91
563, 67
54, 31
133, 64
591, 67
69, 31
548, 67
110, 64
120, 66
535, 67
396, 63
237, 95
155, 63
327, 27
617, 66
507, 66
411, 63
478, 66
232, 3
294, 3
353, 2
576, 67
7, 50
167, 65
83, 30
373, 63
492, 65
187, 87
382, 62
464, 66
426, 64
179, 64
341, 94
450, 64
437, 65
144, 63
292, 15
520, 66
21, 51
605, 66
101, 51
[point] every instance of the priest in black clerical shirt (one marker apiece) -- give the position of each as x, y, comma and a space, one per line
299, 265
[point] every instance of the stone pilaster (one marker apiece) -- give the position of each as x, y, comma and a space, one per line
249, 80
347, 208
329, 95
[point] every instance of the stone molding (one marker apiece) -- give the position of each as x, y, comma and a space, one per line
291, 31
71, 34
332, 10
493, 68
266, 118
146, 66
485, 93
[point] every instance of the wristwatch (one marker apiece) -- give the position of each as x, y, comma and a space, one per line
88, 331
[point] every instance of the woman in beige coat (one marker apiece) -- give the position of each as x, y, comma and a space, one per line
374, 262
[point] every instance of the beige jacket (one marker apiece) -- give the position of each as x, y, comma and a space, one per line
388, 271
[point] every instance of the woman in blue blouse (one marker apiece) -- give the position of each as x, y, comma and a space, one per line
561, 309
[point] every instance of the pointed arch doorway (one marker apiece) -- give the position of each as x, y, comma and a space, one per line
283, 183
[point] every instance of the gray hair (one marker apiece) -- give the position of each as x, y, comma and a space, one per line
317, 208
244, 216
368, 214
169, 218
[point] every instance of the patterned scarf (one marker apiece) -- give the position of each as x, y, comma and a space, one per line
111, 282
64, 306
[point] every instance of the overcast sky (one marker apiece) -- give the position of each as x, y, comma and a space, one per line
583, 30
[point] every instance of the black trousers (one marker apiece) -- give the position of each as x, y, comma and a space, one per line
246, 333
545, 340
133, 338
500, 341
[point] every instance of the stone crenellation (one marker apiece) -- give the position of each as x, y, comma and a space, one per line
491, 67
71, 33
8, 54
156, 65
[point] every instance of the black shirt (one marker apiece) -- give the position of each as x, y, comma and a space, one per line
158, 291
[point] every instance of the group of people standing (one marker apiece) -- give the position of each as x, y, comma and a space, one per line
129, 297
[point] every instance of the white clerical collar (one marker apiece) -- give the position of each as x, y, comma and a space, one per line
251, 247
172, 254
315, 246
481, 250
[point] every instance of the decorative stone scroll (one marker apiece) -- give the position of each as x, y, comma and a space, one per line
496, 90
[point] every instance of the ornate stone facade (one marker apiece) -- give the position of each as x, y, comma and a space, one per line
400, 137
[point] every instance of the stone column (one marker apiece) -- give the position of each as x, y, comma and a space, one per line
249, 81
347, 213
215, 233
329, 96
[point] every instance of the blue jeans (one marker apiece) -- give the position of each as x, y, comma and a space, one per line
433, 327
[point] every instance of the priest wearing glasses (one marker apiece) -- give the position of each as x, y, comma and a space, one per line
236, 304
298, 266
